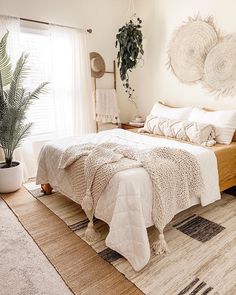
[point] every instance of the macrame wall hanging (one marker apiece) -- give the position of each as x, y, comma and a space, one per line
199, 53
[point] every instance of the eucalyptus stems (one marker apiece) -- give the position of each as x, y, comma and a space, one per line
129, 41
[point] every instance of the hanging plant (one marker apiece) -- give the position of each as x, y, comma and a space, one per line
129, 41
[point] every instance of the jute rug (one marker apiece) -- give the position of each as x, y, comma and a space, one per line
202, 241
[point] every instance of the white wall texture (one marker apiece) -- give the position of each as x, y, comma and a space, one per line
153, 81
161, 17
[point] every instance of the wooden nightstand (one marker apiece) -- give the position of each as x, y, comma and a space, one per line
127, 126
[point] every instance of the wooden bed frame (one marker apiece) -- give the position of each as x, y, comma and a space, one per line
46, 189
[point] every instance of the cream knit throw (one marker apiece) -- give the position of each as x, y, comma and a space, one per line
175, 175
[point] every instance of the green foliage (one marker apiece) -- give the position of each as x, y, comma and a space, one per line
129, 41
14, 102
5, 63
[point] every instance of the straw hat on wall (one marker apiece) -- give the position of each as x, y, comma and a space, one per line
97, 65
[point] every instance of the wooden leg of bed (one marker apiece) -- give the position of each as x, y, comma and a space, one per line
46, 189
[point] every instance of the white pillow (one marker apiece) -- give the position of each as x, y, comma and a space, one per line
223, 121
163, 111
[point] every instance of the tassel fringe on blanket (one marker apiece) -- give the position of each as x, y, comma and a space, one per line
175, 176
160, 246
87, 203
91, 235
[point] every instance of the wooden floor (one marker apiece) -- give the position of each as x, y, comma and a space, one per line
81, 268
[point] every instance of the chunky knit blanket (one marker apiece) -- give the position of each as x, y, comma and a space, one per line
175, 175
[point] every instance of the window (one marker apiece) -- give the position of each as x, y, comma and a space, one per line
37, 43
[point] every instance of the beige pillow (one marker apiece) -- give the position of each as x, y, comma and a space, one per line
194, 132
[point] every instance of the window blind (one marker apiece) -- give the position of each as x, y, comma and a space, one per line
37, 43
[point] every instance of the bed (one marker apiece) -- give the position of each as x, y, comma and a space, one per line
127, 200
226, 162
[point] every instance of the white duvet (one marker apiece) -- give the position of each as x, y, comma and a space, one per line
126, 203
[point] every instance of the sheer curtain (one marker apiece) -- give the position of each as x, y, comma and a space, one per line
71, 82
83, 107
70, 87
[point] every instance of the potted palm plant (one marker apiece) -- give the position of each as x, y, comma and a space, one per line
14, 103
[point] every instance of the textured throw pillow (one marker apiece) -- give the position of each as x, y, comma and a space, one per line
199, 133
223, 121
163, 111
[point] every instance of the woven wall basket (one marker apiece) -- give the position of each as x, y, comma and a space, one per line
220, 68
189, 47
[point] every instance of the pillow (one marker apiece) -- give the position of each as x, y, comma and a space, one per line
194, 132
224, 122
163, 111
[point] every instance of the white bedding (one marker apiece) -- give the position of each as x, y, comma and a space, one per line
126, 203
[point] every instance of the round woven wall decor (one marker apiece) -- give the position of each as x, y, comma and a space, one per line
189, 48
220, 68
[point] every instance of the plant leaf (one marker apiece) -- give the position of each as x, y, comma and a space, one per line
5, 62
18, 76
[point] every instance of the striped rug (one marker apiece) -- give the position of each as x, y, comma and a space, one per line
202, 241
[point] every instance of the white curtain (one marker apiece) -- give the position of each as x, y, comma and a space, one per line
70, 83
25, 154
83, 102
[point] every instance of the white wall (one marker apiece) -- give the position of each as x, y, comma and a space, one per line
103, 16
161, 18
